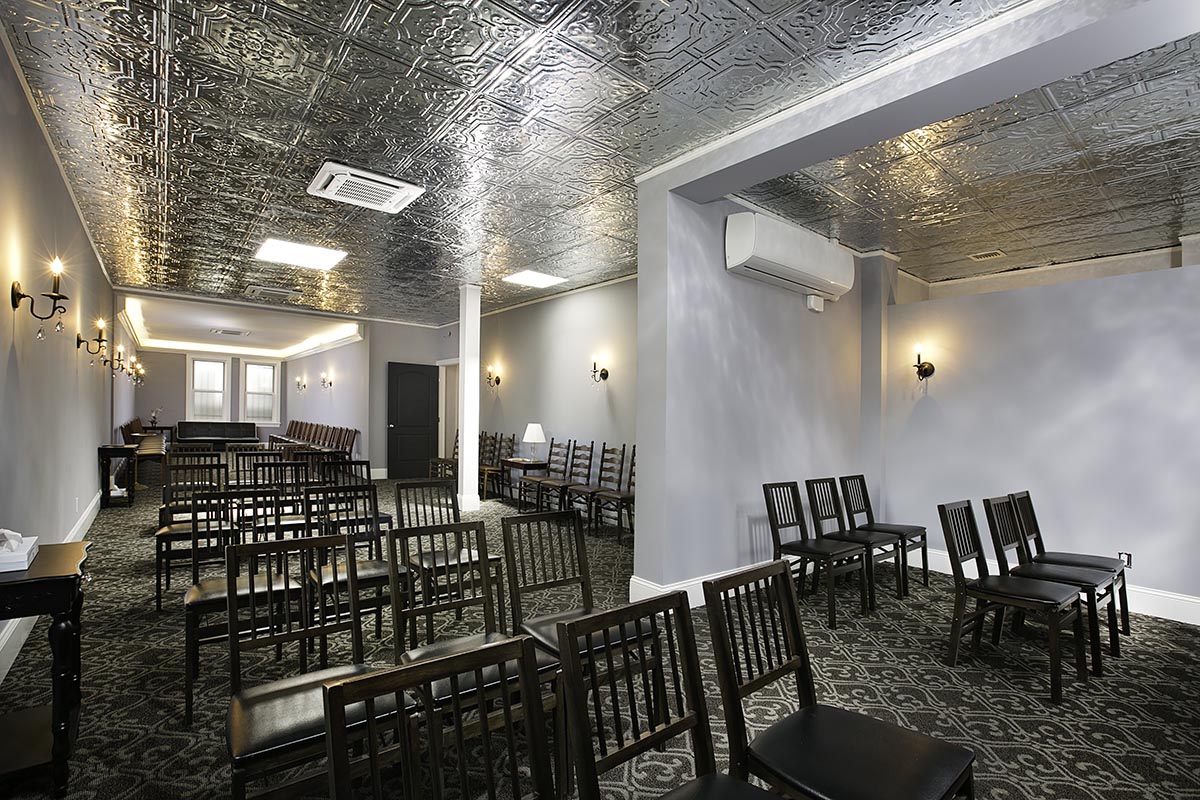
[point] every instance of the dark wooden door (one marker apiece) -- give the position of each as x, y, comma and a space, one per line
412, 419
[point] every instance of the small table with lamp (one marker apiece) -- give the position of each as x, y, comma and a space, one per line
534, 435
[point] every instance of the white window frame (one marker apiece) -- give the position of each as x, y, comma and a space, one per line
226, 399
261, 362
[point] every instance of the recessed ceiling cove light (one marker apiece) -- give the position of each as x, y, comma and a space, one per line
278, 251
538, 280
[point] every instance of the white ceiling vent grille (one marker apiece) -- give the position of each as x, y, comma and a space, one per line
987, 255
228, 332
270, 293
361, 188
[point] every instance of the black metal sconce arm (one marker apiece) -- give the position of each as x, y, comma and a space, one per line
56, 297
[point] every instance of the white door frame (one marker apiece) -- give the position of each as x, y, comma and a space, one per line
441, 365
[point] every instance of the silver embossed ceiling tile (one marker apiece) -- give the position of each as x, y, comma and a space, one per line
1098, 164
189, 129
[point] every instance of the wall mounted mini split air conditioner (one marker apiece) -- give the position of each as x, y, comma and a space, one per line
772, 251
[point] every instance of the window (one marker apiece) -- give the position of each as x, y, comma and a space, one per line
208, 389
260, 392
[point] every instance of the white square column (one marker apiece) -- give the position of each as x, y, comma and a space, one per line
468, 398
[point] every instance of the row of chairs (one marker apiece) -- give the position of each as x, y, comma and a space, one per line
568, 482
316, 434
846, 538
1049, 584
620, 681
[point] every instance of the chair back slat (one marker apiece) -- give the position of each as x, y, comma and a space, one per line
214, 527
612, 464
557, 458
289, 478
825, 506
785, 514
434, 570
1029, 523
581, 462
421, 503
344, 472
543, 552
508, 448
345, 510
282, 609
487, 740
183, 480
857, 500
758, 639
189, 447
1005, 528
488, 449
633, 682
193, 457
962, 538
245, 461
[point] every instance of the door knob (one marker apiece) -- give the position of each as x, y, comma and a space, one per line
391, 425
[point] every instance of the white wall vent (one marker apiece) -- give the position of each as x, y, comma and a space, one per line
772, 251
987, 255
270, 293
361, 188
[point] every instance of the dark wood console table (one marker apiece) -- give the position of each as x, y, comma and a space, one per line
105, 453
524, 466
51, 586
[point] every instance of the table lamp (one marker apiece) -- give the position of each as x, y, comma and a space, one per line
534, 435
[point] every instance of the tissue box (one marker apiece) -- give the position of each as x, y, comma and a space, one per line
19, 559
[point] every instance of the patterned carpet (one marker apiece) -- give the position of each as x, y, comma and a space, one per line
1134, 733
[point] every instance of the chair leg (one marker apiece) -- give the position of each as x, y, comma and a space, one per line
563, 766
896, 551
866, 592
903, 545
801, 578
869, 556
925, 559
191, 657
1124, 607
1114, 629
998, 625
158, 587
831, 596
960, 608
1055, 626
1080, 655
980, 620
237, 785
1094, 633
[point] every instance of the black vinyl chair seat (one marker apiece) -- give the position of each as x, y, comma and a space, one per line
613, 494
1029, 590
214, 591
445, 559
544, 630
371, 572
441, 689
182, 531
832, 749
861, 537
907, 531
821, 547
718, 786
1080, 560
288, 714
1062, 573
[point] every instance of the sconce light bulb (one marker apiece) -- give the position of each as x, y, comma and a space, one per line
100, 323
918, 348
121, 348
56, 266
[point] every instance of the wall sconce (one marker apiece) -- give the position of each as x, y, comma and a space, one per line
117, 365
924, 368
301, 385
600, 374
326, 381
136, 373
55, 296
493, 376
100, 342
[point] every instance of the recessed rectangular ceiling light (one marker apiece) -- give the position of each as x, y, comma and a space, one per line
538, 280
278, 251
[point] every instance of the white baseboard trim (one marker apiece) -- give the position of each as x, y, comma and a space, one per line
379, 473
642, 589
15, 632
469, 502
1142, 599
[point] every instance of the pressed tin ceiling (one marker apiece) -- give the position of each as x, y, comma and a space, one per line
189, 130
1099, 164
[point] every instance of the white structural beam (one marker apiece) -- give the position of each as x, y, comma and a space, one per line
468, 398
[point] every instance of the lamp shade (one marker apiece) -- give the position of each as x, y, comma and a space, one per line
534, 434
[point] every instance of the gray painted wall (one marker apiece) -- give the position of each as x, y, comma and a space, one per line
1085, 393
343, 404
748, 387
544, 352
403, 344
54, 409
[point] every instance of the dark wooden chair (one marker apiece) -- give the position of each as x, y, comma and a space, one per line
344, 472
289, 479
635, 692
493, 473
825, 506
222, 519
817, 751
421, 503
489, 459
858, 504
445, 467
183, 483
352, 510
620, 501
488, 741
189, 447
608, 478
245, 461
1058, 602
1039, 555
785, 516
278, 726
1095, 584
579, 473
530, 486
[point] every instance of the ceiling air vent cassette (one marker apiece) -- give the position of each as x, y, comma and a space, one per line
987, 255
270, 293
361, 188
228, 332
